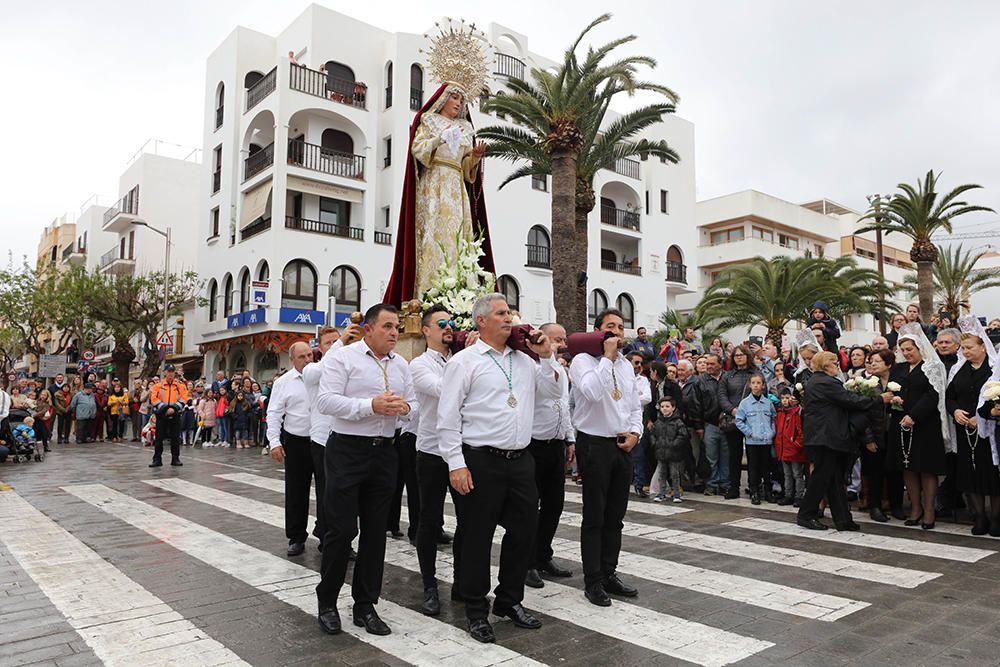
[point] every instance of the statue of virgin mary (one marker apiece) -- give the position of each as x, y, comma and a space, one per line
442, 201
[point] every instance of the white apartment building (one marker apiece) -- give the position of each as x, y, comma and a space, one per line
302, 181
735, 228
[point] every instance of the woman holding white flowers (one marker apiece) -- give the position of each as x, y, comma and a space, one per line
975, 473
917, 427
879, 365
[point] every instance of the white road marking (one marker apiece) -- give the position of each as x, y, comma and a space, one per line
416, 638
122, 622
869, 540
670, 635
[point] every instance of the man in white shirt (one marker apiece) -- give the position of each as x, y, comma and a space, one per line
608, 420
484, 427
366, 389
288, 428
552, 443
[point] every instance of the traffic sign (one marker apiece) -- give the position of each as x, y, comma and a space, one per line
164, 340
89, 354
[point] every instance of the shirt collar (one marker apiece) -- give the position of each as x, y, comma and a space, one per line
483, 348
365, 350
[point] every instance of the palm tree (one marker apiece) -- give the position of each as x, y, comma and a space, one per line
557, 130
918, 213
956, 278
773, 292
674, 320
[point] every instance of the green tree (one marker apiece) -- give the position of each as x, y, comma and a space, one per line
11, 347
26, 307
558, 131
675, 320
773, 292
956, 278
919, 212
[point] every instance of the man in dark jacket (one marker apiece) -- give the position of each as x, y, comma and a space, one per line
702, 410
820, 319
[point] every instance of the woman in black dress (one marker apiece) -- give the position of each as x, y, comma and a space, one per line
975, 474
916, 443
873, 451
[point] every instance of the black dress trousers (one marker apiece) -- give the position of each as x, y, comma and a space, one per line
827, 480
432, 479
318, 452
360, 480
550, 479
606, 470
504, 495
406, 476
167, 427
298, 480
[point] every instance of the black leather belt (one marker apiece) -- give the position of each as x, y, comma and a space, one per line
550, 441
368, 440
502, 453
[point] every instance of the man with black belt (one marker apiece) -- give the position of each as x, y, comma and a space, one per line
432, 471
288, 427
167, 401
552, 443
366, 389
406, 477
484, 427
608, 420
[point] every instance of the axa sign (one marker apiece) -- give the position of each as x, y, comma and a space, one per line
302, 316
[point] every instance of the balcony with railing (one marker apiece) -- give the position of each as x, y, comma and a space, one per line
258, 91
631, 268
117, 262
383, 238
255, 228
507, 65
322, 84
258, 162
416, 99
326, 160
73, 255
327, 228
622, 218
676, 272
538, 256
626, 167
123, 213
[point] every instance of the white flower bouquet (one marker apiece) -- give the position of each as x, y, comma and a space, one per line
991, 393
458, 285
897, 402
863, 386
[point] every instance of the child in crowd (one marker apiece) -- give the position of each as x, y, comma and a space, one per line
206, 415
24, 434
788, 448
672, 447
755, 420
149, 431
189, 423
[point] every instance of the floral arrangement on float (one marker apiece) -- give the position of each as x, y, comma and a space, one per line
457, 286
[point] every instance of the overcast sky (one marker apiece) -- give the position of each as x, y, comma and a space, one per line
801, 100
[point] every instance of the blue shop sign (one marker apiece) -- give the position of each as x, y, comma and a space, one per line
302, 316
341, 319
257, 316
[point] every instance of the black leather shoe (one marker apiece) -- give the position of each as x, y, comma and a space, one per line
812, 524
432, 604
731, 494
849, 526
372, 624
445, 538
877, 514
898, 514
296, 548
994, 528
481, 630
396, 532
914, 522
329, 620
520, 616
550, 568
616, 586
156, 463
532, 580
927, 526
596, 594
981, 526
176, 462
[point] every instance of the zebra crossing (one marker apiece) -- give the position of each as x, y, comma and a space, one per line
666, 550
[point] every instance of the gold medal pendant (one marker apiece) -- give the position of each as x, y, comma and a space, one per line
511, 400
616, 395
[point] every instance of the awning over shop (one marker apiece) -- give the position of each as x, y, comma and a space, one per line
324, 189
272, 341
256, 203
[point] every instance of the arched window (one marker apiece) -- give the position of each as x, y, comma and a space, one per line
507, 286
264, 273
227, 295
240, 362
388, 84
345, 287
627, 306
267, 366
339, 80
220, 104
213, 300
416, 86
245, 290
335, 140
674, 255
298, 286
539, 246
597, 302
252, 78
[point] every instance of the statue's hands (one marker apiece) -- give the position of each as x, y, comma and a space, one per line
479, 151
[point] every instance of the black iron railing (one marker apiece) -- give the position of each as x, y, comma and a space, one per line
254, 228
261, 89
626, 167
219, 115
383, 238
538, 256
509, 66
416, 99
129, 204
328, 228
677, 272
258, 162
620, 217
321, 84
317, 158
619, 267
113, 255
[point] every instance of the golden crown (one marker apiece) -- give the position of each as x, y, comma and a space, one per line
460, 55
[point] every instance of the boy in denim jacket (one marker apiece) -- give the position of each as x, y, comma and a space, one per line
755, 420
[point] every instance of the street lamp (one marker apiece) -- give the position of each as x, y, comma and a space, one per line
875, 201
166, 267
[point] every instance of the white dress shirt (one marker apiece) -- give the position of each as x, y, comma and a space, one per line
352, 378
552, 416
596, 411
645, 389
427, 371
319, 423
474, 407
288, 407
4, 404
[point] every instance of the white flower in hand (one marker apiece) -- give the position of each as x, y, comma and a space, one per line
893, 387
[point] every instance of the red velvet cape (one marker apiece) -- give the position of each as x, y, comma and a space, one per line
404, 267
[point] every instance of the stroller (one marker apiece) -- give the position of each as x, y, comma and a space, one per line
20, 452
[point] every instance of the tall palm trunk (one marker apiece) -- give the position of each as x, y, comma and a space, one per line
925, 289
569, 255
